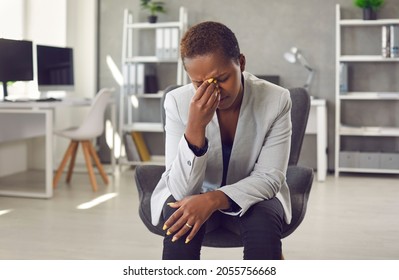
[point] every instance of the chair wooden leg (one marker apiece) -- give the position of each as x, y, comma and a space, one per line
98, 163
86, 152
72, 162
58, 174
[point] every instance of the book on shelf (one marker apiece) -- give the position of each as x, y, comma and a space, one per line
141, 146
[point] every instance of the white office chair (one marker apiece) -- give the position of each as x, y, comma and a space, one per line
92, 127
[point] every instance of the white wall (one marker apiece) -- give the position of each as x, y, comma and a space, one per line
11, 19
69, 23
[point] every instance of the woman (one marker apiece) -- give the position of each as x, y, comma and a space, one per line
227, 147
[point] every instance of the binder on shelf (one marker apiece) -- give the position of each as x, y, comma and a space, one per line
174, 43
394, 41
140, 78
167, 43
141, 146
132, 153
385, 44
129, 78
159, 43
343, 78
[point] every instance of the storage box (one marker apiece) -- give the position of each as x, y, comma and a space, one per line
389, 161
349, 159
369, 160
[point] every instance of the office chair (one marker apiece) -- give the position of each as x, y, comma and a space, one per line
299, 179
91, 127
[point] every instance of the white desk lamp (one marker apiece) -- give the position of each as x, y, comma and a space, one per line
295, 55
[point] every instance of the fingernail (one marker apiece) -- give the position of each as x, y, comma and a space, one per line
174, 238
168, 233
187, 240
164, 227
170, 203
210, 80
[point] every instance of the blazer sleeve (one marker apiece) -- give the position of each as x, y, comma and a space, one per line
185, 171
268, 174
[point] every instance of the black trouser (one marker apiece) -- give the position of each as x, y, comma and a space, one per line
260, 229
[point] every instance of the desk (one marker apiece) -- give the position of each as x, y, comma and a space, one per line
317, 124
23, 120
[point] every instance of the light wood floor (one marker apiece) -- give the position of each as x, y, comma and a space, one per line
350, 217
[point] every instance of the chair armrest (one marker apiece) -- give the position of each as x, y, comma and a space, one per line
147, 178
299, 180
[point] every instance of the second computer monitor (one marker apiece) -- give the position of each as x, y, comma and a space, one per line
55, 68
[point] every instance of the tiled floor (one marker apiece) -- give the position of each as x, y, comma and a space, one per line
350, 217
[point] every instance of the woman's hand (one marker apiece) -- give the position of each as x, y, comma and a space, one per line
193, 211
202, 108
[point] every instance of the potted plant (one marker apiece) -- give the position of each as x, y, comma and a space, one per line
369, 7
154, 8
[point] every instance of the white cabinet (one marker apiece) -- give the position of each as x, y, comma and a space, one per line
148, 48
361, 147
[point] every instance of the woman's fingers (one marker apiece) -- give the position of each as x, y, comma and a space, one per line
172, 219
182, 229
204, 91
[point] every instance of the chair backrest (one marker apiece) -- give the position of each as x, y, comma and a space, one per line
299, 119
93, 125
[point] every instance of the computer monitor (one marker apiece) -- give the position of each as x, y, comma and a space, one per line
54, 68
16, 61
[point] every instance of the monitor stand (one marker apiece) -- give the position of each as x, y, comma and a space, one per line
5, 93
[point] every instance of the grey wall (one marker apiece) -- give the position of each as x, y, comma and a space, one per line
265, 30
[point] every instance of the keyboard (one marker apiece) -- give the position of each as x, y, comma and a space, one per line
50, 99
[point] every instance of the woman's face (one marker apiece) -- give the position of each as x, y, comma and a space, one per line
226, 72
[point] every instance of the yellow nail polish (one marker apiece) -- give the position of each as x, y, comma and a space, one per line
170, 203
187, 240
168, 233
164, 227
174, 238
210, 80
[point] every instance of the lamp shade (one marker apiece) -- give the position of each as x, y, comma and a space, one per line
291, 56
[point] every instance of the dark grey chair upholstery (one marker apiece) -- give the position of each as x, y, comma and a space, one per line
299, 179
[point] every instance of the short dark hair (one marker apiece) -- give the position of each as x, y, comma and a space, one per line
209, 37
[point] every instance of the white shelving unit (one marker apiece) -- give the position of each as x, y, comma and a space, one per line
361, 161
131, 57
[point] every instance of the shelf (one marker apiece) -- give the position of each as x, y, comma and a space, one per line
369, 95
144, 127
150, 95
147, 25
150, 59
366, 58
368, 170
369, 131
155, 160
360, 22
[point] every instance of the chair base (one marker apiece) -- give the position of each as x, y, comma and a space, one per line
89, 154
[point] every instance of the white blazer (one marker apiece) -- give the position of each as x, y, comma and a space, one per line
259, 156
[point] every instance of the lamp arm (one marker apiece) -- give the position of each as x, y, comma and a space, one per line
304, 62
309, 79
